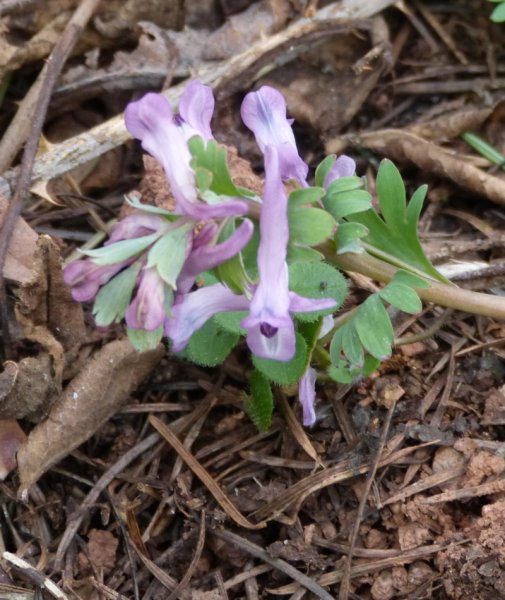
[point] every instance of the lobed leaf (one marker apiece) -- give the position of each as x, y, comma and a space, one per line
285, 373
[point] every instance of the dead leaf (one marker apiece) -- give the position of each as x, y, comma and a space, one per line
46, 310
28, 388
240, 31
21, 251
101, 550
430, 158
11, 437
91, 398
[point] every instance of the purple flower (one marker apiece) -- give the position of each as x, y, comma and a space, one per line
147, 309
151, 120
206, 255
196, 109
264, 113
136, 225
85, 277
307, 396
344, 166
270, 328
191, 311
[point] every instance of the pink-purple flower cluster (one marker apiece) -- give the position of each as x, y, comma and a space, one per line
164, 294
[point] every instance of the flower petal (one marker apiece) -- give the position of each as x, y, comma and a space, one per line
307, 396
280, 346
270, 303
151, 120
302, 304
135, 225
147, 309
85, 277
193, 310
344, 167
208, 256
264, 113
196, 109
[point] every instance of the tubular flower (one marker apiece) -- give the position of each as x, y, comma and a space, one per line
307, 396
193, 310
206, 255
85, 277
147, 309
270, 328
151, 120
344, 167
264, 113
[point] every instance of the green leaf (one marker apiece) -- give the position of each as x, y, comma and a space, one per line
203, 179
341, 372
119, 251
285, 373
310, 226
210, 345
374, 327
323, 168
410, 279
303, 254
498, 14
395, 239
348, 236
260, 405
114, 297
317, 280
402, 297
169, 253
232, 272
143, 340
213, 158
134, 201
344, 184
230, 321
303, 196
351, 345
391, 191
348, 203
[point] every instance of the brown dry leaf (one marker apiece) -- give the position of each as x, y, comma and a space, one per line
21, 251
46, 310
11, 438
92, 397
153, 57
101, 550
327, 87
452, 124
430, 158
13, 57
28, 389
119, 17
240, 31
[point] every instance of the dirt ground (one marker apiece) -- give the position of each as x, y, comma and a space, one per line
140, 476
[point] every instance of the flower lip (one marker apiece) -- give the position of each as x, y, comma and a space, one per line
268, 330
264, 113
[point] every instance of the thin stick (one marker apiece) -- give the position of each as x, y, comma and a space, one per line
53, 67
343, 593
36, 576
277, 563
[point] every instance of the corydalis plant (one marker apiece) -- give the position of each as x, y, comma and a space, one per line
226, 263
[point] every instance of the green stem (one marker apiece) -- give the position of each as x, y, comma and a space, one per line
438, 293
